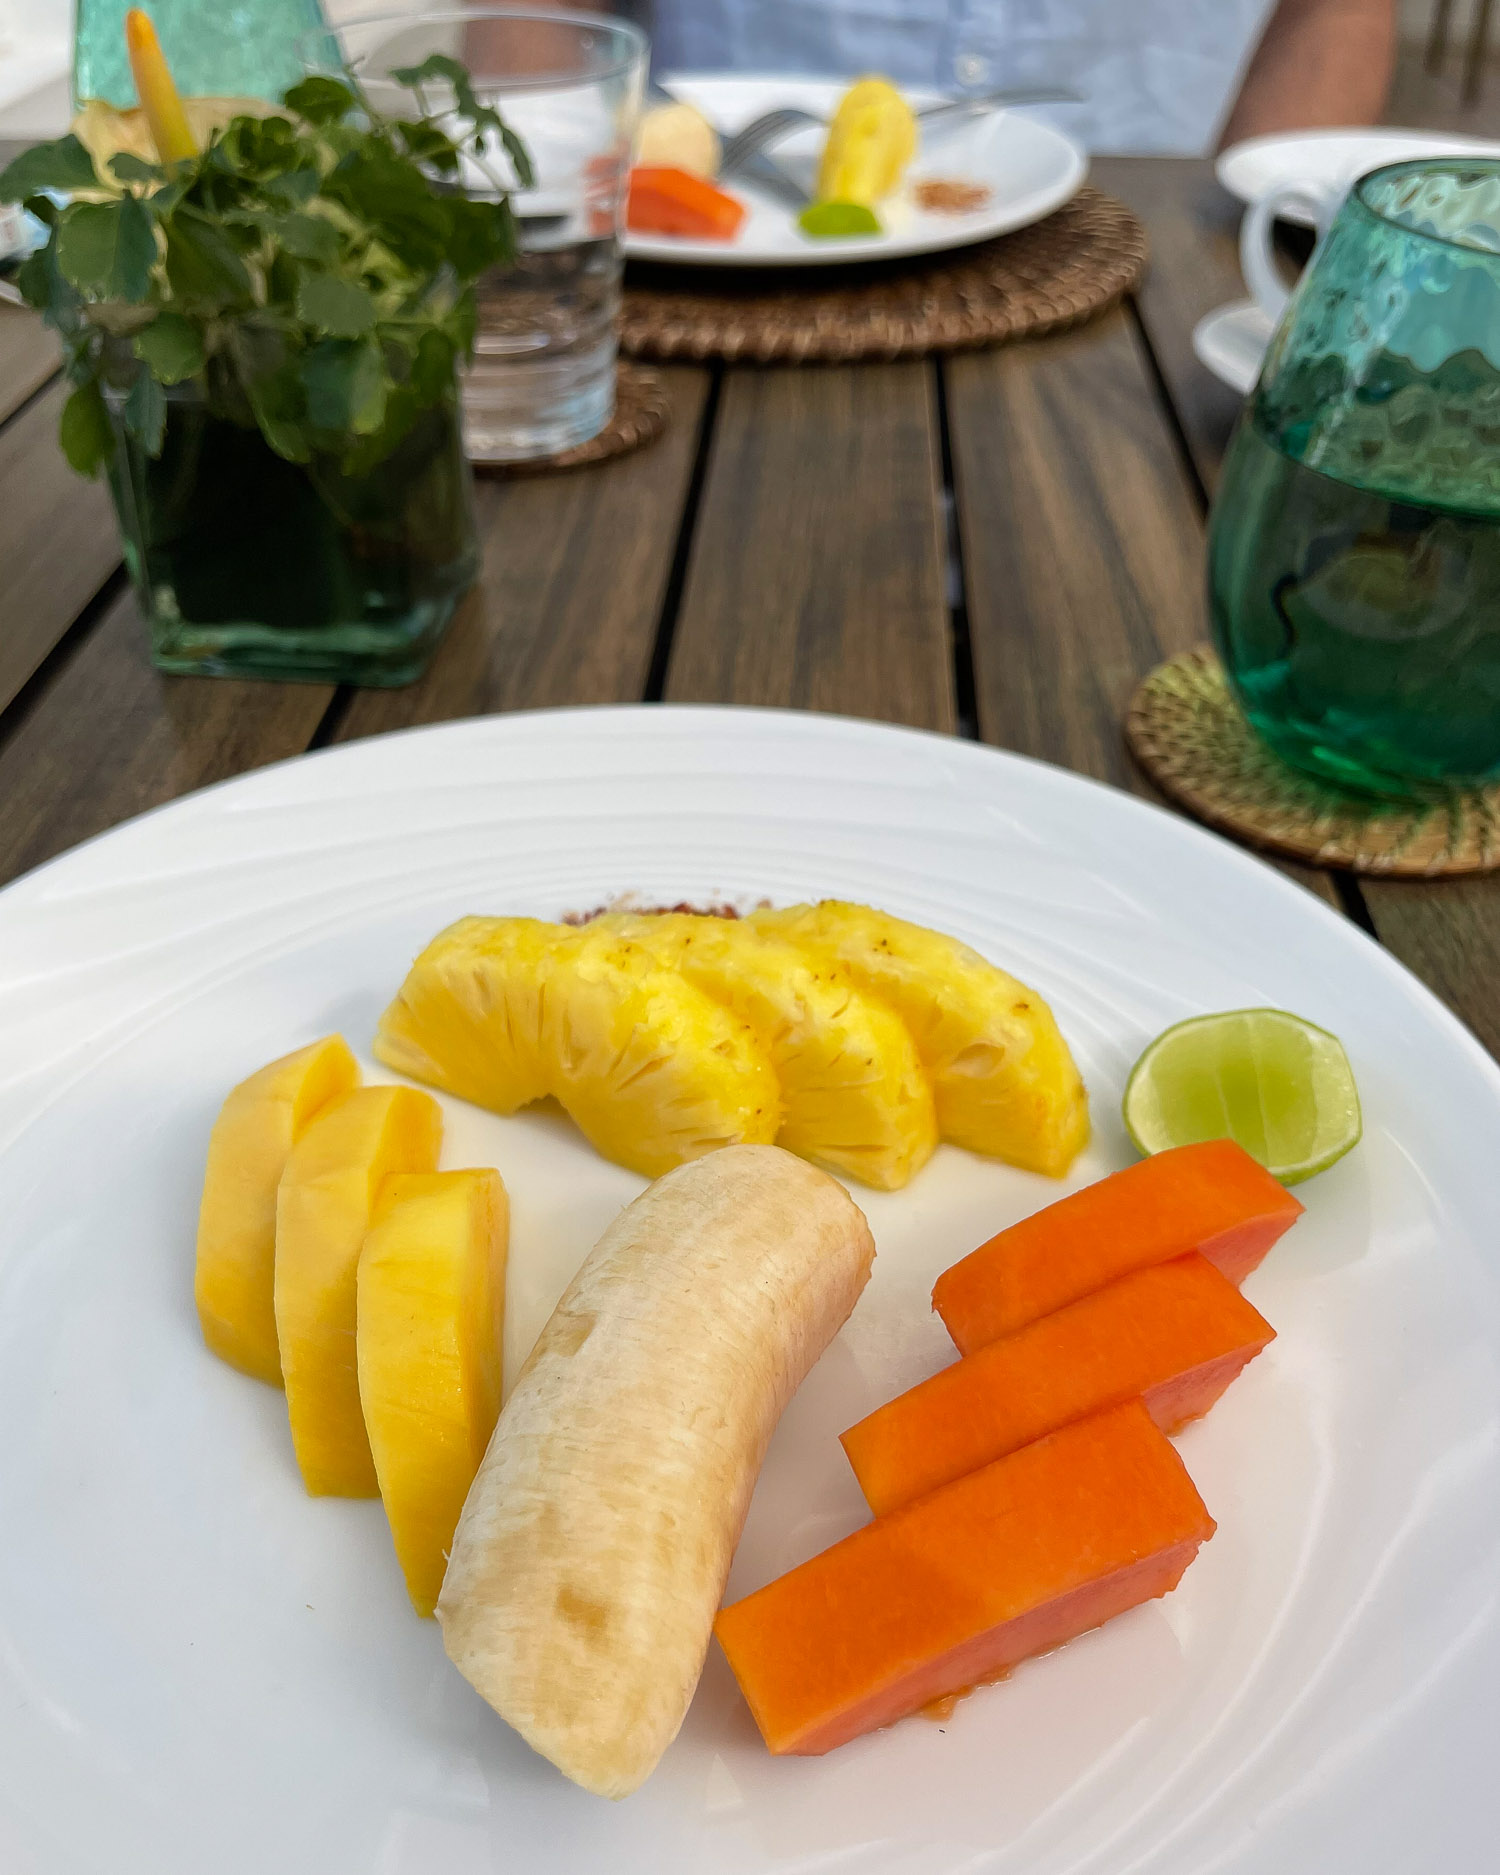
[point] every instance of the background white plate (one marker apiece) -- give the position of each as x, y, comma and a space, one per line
1335, 157
1029, 167
203, 1672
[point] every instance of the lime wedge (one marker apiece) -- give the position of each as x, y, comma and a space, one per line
1280, 1086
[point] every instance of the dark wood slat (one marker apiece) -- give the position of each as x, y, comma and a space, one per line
817, 577
28, 357
1082, 543
58, 543
576, 566
109, 736
1448, 934
1194, 230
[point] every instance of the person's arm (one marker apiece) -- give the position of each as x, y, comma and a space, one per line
1320, 63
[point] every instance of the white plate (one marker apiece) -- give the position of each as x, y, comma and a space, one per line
203, 1672
1231, 341
1335, 157
1029, 168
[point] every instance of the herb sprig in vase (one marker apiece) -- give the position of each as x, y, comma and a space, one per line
263, 334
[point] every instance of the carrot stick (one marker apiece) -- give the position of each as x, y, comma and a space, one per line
672, 201
1175, 1334
1212, 1197
960, 1585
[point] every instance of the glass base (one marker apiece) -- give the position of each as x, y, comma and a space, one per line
517, 409
380, 655
1303, 748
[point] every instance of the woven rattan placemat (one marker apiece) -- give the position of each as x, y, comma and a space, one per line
1055, 273
641, 414
1189, 735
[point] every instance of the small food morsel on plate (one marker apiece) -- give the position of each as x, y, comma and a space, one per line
960, 1585
677, 136
872, 138
595, 1544
1211, 1197
942, 197
258, 1125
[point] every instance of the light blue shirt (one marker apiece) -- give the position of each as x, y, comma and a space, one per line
1157, 75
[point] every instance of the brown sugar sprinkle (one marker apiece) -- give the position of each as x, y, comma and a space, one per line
942, 197
724, 910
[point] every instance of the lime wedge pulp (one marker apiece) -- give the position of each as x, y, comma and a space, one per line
1280, 1086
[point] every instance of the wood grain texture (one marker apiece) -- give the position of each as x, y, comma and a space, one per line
1448, 933
58, 543
575, 570
108, 736
1082, 544
29, 355
816, 578
1193, 226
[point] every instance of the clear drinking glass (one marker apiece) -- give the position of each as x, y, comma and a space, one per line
543, 375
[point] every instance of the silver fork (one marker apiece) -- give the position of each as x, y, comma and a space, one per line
771, 126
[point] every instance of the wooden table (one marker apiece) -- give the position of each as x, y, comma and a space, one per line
994, 545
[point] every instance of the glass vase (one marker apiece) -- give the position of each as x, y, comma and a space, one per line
247, 565
245, 49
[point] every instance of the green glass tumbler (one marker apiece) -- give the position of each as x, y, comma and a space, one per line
1354, 547
241, 49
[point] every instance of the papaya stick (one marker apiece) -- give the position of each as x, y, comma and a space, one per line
1175, 1335
957, 1587
672, 201
1211, 1197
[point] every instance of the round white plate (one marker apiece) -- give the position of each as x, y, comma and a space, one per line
1028, 167
1232, 341
1335, 157
203, 1670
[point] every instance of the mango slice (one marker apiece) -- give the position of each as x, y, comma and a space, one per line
431, 1315
328, 1195
871, 140
256, 1129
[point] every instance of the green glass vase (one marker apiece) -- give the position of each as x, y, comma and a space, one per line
241, 49
246, 565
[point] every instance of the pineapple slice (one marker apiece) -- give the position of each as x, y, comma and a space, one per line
247, 1152
328, 1192
431, 1312
504, 1011
854, 1096
1003, 1078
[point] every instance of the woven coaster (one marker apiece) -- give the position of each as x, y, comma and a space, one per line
1190, 736
641, 414
1055, 273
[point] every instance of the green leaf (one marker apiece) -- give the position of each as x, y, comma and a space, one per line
146, 413
64, 165
128, 167
319, 100
337, 308
171, 348
519, 156
34, 279
307, 237
107, 249
293, 188
84, 430
201, 262
479, 235
346, 386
